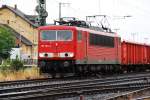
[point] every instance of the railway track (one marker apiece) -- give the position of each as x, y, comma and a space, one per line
22, 83
140, 94
71, 91
46, 90
18, 86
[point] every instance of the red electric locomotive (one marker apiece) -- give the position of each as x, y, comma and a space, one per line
71, 49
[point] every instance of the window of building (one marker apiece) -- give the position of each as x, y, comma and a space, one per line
7, 21
79, 35
101, 40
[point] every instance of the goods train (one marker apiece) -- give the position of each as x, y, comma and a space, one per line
84, 51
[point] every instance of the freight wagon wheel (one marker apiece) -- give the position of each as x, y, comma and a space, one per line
62, 75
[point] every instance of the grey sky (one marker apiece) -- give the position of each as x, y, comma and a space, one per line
135, 27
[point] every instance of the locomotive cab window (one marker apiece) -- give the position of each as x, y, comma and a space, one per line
79, 35
64, 35
101, 40
48, 35
57, 35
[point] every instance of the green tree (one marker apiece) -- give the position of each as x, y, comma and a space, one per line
7, 41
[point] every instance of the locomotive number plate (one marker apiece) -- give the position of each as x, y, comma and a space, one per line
55, 54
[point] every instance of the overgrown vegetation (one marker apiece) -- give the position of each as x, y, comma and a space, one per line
28, 73
16, 64
12, 65
15, 70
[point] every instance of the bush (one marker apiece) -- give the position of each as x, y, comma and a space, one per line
12, 65
5, 65
1, 60
16, 65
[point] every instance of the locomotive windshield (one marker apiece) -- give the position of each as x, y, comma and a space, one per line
56, 35
48, 35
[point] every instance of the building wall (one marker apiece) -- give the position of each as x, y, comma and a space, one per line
26, 51
22, 27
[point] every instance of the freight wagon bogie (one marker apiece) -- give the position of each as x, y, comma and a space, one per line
135, 68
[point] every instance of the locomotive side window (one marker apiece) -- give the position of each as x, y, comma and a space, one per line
96, 39
48, 35
79, 35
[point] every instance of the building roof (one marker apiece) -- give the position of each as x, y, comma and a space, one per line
32, 18
27, 18
17, 35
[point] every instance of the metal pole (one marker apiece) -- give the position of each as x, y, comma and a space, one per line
99, 5
60, 11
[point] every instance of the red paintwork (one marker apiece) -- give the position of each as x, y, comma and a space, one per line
56, 46
124, 53
105, 53
133, 53
98, 53
81, 52
82, 49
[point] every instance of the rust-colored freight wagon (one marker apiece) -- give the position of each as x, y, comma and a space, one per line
134, 53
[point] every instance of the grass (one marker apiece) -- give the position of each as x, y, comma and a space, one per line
28, 73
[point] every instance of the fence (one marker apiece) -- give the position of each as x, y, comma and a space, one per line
29, 62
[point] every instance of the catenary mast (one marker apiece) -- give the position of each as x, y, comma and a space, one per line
42, 13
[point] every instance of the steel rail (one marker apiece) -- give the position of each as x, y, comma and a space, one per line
118, 81
51, 92
139, 94
23, 83
137, 81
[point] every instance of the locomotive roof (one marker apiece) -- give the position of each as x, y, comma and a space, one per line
62, 27
98, 32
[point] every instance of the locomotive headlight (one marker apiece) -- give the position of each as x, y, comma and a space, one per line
41, 54
71, 54
66, 54
46, 55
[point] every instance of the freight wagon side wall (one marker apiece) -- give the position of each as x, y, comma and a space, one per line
148, 54
132, 53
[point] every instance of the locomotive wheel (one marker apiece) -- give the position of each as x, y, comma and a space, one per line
61, 75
